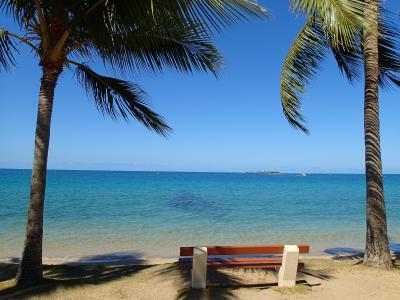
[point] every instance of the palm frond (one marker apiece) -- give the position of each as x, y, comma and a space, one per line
23, 11
389, 51
349, 61
210, 14
123, 15
151, 47
215, 14
301, 64
309, 49
119, 98
7, 49
341, 19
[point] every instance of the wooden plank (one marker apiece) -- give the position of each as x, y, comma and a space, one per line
304, 248
243, 265
243, 250
233, 260
186, 251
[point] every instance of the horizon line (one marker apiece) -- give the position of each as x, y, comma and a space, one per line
228, 172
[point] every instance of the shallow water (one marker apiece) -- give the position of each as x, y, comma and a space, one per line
153, 213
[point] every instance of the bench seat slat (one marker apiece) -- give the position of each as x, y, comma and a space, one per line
188, 267
252, 262
243, 250
235, 259
239, 264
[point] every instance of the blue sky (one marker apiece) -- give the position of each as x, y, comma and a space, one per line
233, 123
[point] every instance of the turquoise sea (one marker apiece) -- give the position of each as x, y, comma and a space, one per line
153, 213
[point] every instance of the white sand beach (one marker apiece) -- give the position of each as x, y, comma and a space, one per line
322, 278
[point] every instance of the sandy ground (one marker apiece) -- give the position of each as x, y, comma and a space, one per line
344, 278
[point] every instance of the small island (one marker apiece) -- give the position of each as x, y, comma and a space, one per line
267, 172
275, 173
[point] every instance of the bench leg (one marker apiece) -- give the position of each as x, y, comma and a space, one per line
288, 271
199, 268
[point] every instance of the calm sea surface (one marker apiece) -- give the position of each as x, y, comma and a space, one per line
153, 213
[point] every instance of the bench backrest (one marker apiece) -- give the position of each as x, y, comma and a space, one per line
243, 250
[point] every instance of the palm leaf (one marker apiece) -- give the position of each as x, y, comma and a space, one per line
389, 51
140, 35
350, 62
7, 49
118, 98
341, 19
210, 14
151, 47
215, 14
301, 64
23, 11
308, 50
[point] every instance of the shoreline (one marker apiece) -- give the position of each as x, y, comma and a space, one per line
93, 260
103, 251
126, 256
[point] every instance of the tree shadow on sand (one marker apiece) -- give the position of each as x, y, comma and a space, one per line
357, 255
91, 270
97, 270
346, 254
221, 283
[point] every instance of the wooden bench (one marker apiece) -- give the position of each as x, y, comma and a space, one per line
285, 258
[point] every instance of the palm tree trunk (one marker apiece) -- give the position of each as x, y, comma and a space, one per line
377, 246
30, 269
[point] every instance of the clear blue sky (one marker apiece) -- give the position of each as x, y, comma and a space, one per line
233, 123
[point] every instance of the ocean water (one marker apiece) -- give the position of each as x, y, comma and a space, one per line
152, 214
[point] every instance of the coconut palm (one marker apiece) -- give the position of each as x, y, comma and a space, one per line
126, 36
374, 46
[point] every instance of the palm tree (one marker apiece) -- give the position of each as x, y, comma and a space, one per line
136, 36
372, 43
377, 252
